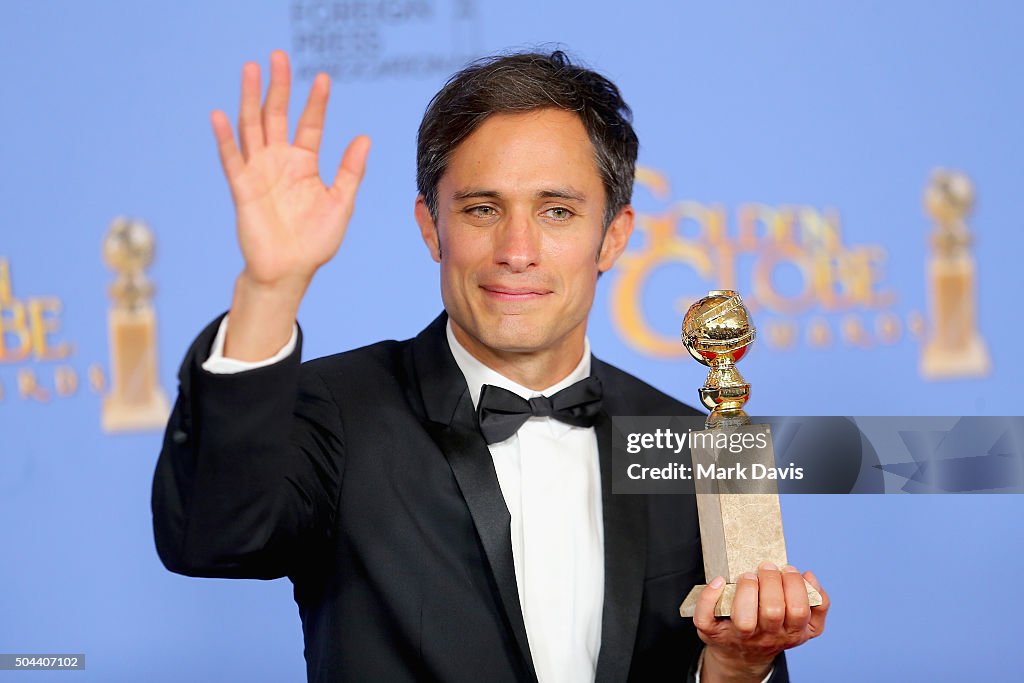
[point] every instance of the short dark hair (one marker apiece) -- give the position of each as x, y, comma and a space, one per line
521, 82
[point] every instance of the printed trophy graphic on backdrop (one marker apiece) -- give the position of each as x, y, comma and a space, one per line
136, 400
953, 347
738, 530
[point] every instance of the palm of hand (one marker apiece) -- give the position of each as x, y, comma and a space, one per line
288, 220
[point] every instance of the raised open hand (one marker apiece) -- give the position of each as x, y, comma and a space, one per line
289, 222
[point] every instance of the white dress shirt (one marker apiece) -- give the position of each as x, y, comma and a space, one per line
549, 475
550, 478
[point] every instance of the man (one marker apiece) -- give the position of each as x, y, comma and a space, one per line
443, 505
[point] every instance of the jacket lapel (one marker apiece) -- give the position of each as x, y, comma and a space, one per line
452, 424
625, 548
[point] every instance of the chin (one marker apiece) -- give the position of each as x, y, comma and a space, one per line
517, 340
515, 335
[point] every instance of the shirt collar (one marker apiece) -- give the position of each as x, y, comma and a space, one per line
477, 374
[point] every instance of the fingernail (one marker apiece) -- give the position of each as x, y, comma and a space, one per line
749, 575
790, 569
769, 566
717, 582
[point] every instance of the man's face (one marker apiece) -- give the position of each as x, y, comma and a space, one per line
519, 228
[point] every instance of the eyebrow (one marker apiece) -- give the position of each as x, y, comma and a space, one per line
550, 193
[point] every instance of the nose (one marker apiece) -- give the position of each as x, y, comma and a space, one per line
517, 242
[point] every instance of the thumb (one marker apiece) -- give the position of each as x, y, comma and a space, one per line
350, 172
704, 612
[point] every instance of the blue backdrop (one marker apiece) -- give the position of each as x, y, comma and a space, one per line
826, 117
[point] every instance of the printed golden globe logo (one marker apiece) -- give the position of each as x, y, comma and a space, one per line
136, 400
954, 347
842, 298
30, 340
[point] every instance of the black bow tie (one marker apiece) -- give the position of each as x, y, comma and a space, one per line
501, 413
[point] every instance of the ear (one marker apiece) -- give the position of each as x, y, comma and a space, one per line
616, 237
428, 230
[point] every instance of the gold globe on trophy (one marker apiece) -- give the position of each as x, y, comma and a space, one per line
717, 332
740, 523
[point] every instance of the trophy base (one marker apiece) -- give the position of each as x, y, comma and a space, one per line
940, 363
119, 416
724, 606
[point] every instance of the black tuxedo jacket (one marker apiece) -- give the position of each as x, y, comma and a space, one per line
364, 479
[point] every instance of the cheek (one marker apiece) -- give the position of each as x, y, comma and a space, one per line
585, 284
577, 265
461, 261
451, 274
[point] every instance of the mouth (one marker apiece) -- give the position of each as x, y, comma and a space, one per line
500, 293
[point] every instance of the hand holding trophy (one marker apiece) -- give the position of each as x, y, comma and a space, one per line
740, 521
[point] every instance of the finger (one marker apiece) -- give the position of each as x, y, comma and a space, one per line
250, 130
350, 172
744, 605
230, 157
798, 609
704, 610
275, 109
311, 123
818, 612
771, 600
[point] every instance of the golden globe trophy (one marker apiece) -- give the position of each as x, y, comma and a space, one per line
740, 521
136, 400
953, 348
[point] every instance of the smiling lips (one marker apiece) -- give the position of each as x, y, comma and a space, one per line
514, 293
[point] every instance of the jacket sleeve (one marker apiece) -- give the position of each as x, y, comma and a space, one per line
248, 476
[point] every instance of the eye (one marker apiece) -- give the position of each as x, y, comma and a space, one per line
560, 213
482, 211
